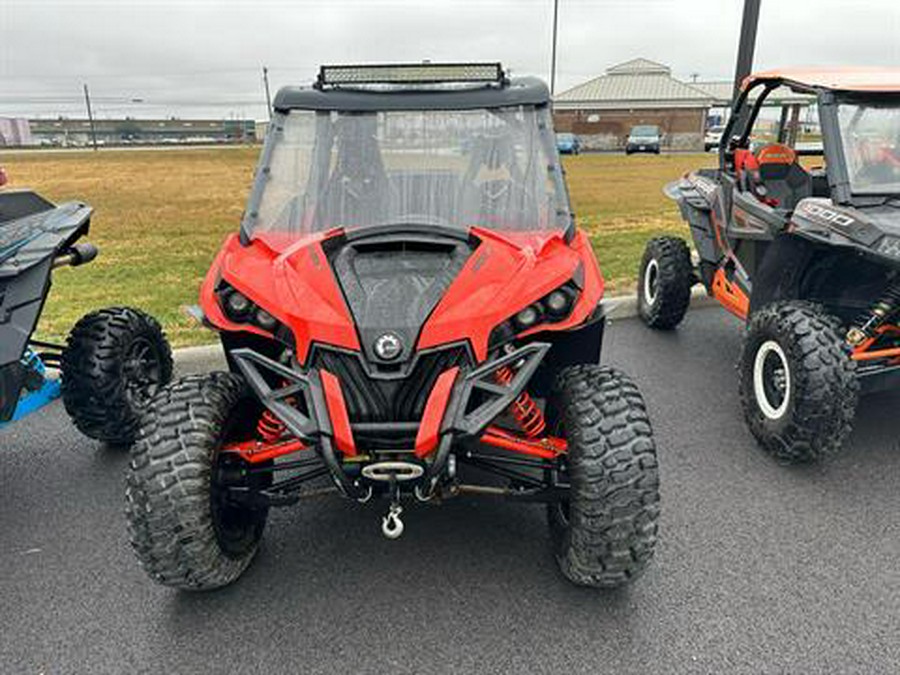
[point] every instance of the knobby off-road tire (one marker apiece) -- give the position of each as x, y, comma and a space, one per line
798, 385
182, 531
605, 534
114, 361
664, 282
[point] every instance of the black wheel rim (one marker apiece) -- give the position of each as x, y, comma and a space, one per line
236, 525
561, 507
141, 371
774, 380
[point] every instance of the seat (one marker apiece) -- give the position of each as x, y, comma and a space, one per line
358, 190
774, 175
494, 188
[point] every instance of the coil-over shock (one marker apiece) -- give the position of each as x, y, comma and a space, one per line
269, 427
526, 412
866, 327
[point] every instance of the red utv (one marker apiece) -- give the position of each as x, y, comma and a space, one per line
408, 313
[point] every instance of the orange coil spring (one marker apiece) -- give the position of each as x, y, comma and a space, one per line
526, 412
269, 427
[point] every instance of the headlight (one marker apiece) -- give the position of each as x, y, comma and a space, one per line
265, 320
241, 309
552, 308
528, 317
559, 302
237, 305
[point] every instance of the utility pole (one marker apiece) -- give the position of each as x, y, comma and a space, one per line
747, 44
553, 54
87, 101
268, 96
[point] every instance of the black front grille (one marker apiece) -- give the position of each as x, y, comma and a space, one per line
373, 399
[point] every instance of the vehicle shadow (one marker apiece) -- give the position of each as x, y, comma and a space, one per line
466, 565
875, 428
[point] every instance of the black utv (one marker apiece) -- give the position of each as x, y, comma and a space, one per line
798, 234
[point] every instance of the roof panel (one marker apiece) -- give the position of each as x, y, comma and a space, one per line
519, 91
722, 93
643, 87
843, 79
639, 82
639, 65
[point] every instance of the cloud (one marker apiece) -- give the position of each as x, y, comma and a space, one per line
205, 57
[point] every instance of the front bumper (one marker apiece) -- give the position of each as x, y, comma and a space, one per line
642, 147
311, 405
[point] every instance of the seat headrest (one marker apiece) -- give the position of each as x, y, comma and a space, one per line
776, 153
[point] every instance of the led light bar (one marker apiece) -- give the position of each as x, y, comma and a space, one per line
418, 73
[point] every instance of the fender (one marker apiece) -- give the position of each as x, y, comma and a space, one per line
780, 273
696, 196
32, 233
871, 232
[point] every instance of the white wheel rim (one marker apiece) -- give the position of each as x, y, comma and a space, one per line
651, 281
771, 373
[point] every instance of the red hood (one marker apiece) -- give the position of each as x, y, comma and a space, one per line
505, 273
295, 286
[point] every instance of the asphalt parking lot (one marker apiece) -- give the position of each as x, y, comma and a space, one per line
760, 568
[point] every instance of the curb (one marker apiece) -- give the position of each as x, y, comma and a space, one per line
204, 357
210, 357
626, 306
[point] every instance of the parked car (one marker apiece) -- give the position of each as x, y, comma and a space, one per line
568, 144
713, 137
643, 138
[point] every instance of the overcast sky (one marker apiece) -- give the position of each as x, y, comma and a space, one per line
204, 58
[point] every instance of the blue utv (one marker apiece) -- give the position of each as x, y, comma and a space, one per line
114, 359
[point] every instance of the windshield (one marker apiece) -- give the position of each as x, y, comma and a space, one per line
492, 168
870, 133
565, 138
645, 131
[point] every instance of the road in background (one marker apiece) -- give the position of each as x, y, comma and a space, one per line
760, 568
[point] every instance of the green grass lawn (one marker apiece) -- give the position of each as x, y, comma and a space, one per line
161, 215
619, 201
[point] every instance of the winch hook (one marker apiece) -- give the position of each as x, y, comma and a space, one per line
391, 525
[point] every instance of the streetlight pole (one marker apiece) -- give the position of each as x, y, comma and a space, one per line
553, 53
87, 101
268, 96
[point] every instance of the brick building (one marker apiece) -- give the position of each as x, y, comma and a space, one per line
603, 110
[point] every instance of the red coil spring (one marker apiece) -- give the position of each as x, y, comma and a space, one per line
269, 427
526, 412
